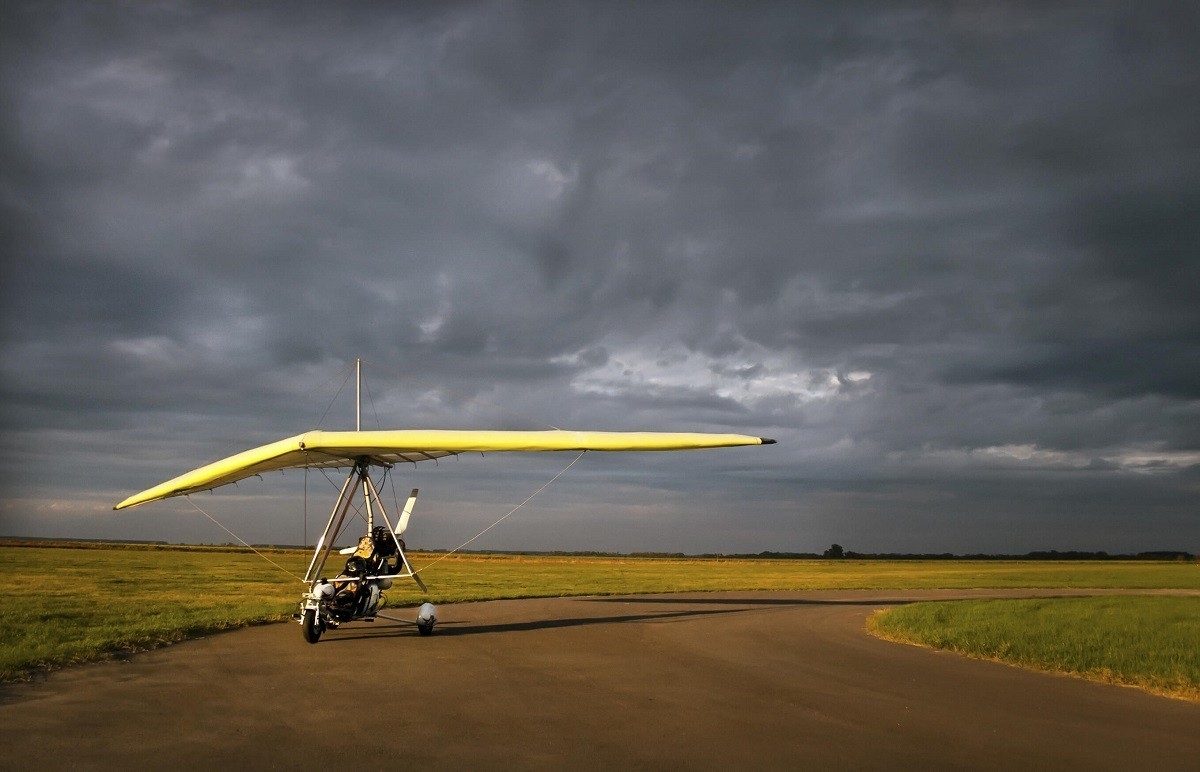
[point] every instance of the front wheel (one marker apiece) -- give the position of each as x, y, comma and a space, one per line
312, 626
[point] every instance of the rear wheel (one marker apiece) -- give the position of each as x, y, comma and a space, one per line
312, 626
424, 629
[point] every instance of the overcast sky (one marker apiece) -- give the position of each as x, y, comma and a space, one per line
947, 254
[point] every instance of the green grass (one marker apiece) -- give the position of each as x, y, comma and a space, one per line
474, 577
64, 605
1152, 642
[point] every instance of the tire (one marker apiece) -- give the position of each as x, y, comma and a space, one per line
312, 627
425, 629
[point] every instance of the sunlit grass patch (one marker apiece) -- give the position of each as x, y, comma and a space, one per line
65, 606
1152, 642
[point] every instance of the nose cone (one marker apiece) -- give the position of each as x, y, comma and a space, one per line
426, 618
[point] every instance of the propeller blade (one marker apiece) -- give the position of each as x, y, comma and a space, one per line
402, 523
417, 579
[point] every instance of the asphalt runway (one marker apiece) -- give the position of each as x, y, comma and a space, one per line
699, 681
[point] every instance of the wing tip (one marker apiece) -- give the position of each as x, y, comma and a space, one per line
766, 441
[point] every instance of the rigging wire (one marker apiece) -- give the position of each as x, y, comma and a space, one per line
395, 498
371, 399
240, 539
358, 510
335, 396
503, 517
328, 479
312, 389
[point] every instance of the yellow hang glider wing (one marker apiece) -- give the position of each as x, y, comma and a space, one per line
385, 448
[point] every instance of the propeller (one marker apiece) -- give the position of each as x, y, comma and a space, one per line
401, 527
402, 523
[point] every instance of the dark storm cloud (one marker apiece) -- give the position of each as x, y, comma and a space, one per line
947, 254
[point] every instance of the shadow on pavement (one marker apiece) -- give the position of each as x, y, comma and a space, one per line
466, 627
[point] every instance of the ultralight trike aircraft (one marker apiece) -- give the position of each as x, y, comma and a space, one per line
379, 557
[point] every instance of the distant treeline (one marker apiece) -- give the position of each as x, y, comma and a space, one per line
1039, 555
830, 554
846, 555
849, 555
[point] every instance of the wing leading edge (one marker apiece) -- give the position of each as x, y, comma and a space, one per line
343, 449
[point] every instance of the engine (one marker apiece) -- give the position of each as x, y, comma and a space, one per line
353, 595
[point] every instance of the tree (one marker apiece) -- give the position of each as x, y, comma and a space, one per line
835, 551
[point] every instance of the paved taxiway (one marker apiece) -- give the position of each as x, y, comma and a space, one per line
746, 680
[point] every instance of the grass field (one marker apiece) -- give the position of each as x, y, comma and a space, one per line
68, 605
1152, 642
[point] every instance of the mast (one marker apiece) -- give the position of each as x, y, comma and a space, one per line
362, 468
